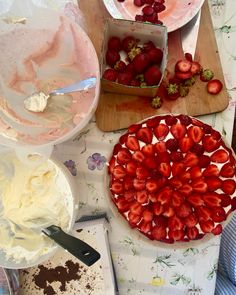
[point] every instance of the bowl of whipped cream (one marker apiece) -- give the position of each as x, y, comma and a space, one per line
41, 51
29, 194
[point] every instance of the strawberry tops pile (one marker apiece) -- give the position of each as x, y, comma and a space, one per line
131, 63
173, 178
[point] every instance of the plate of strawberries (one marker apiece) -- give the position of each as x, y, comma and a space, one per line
172, 179
172, 13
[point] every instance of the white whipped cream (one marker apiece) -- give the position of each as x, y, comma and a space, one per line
36, 102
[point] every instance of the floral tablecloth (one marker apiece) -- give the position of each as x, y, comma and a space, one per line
140, 267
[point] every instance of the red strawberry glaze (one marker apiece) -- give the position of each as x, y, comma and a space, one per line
177, 169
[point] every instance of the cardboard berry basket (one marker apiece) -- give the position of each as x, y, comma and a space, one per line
143, 32
133, 230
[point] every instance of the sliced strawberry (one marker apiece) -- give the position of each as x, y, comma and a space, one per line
144, 134
227, 170
170, 120
204, 161
177, 168
176, 235
195, 68
163, 157
119, 172
217, 230
228, 186
168, 211
160, 147
191, 220
175, 182
195, 172
185, 177
211, 170
145, 227
116, 149
198, 149
213, 183
158, 233
129, 195
185, 120
183, 75
218, 214
142, 197
175, 223
117, 187
161, 131
225, 200
204, 213
142, 173
219, 156
178, 130
190, 159
123, 156
128, 182
151, 185
153, 122
133, 219
212, 199
195, 200
210, 144
184, 210
132, 143
136, 208
165, 169
148, 149
176, 156
183, 66
199, 185
214, 86
147, 215
192, 233
207, 226
172, 144
122, 204
111, 165
195, 133
164, 196
177, 199
139, 184
131, 168
158, 208
138, 156
185, 144
134, 128
150, 162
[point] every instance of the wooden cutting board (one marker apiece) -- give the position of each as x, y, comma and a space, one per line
116, 111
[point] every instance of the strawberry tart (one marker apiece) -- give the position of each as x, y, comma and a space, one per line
173, 178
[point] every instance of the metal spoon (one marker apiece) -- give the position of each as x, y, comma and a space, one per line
37, 101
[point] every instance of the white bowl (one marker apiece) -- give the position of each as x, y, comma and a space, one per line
71, 202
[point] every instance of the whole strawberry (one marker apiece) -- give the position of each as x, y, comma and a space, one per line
114, 43
141, 62
128, 43
152, 76
110, 74
112, 57
155, 55
125, 78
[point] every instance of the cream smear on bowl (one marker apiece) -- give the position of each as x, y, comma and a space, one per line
28, 194
51, 52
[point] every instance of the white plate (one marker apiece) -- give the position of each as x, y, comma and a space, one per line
176, 15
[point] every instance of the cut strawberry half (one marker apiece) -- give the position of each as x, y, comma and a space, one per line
219, 156
159, 233
161, 131
183, 66
178, 130
132, 143
214, 86
228, 186
192, 233
144, 134
123, 156
195, 200
183, 75
227, 170
210, 143
196, 68
195, 133
119, 172
211, 170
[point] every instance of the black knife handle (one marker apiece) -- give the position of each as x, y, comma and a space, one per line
75, 246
